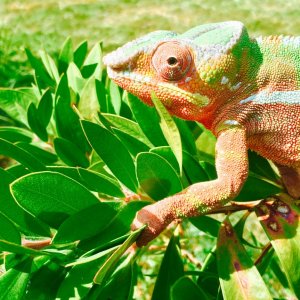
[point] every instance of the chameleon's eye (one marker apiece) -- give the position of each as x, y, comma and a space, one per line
171, 60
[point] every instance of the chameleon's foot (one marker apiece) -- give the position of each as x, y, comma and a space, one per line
150, 216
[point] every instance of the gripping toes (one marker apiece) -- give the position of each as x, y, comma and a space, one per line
148, 216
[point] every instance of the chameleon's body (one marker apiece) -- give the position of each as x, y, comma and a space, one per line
247, 91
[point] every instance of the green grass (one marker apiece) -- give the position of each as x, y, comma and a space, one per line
36, 23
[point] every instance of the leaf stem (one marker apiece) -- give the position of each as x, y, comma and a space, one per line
37, 244
236, 206
263, 253
209, 258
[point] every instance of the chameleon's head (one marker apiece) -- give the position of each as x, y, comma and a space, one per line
186, 72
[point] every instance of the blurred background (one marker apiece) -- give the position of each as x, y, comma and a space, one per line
37, 24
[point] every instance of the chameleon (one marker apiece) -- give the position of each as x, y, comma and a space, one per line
245, 90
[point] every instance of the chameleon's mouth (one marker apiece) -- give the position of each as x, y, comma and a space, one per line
118, 73
129, 80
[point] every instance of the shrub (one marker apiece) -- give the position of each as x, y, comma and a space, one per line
85, 156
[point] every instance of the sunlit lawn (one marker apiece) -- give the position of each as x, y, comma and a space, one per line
40, 23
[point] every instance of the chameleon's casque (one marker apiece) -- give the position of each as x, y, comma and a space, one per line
246, 90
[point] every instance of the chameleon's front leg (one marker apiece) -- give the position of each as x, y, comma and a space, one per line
200, 198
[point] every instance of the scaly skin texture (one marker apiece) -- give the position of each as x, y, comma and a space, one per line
245, 90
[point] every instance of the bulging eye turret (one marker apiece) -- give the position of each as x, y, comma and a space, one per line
172, 60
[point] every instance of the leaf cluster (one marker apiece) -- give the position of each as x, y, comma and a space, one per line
85, 156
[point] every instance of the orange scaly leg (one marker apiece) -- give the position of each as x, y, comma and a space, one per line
199, 198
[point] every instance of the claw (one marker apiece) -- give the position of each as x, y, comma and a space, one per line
155, 225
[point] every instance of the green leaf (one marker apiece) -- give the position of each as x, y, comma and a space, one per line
185, 289
128, 126
79, 279
65, 55
266, 261
88, 104
240, 230
115, 97
76, 174
45, 282
17, 171
10, 150
156, 176
120, 285
98, 166
170, 270
42, 77
62, 90
15, 102
49, 65
13, 284
69, 153
12, 260
257, 188
89, 256
103, 98
209, 169
186, 135
261, 166
42, 155
280, 277
16, 248
88, 71
93, 63
169, 129
206, 142
208, 280
113, 153
125, 109
94, 218
132, 143
206, 224
45, 108
51, 197
193, 171
75, 80
67, 121
107, 268
239, 277
9, 232
71, 172
167, 153
281, 222
15, 134
35, 124
148, 120
100, 183
118, 226
80, 54
25, 222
